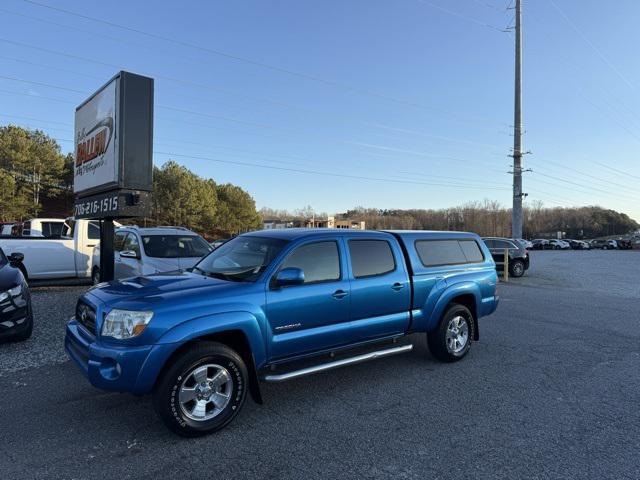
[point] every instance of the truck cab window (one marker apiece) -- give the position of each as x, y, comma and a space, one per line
371, 257
319, 261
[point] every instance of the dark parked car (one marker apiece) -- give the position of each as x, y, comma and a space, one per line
579, 245
624, 244
540, 244
518, 255
16, 317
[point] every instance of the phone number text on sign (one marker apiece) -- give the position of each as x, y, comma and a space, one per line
101, 207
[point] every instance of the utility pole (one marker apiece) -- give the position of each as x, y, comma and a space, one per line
516, 212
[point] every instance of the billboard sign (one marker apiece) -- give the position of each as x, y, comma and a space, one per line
113, 137
96, 142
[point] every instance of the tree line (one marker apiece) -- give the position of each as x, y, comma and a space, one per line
487, 218
35, 175
37, 178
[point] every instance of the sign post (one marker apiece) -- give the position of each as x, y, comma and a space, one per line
113, 157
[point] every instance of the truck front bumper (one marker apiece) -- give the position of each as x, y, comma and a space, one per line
108, 367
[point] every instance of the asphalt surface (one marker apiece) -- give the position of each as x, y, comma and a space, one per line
551, 391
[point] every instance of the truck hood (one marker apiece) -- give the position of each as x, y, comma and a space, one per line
149, 291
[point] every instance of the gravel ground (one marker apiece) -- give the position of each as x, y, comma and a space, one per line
52, 307
551, 391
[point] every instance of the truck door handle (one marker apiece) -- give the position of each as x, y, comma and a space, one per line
397, 286
339, 294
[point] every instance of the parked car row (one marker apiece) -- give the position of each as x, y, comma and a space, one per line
566, 244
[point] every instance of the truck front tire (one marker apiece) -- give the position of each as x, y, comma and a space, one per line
451, 339
202, 391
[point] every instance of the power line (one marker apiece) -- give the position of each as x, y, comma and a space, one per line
42, 84
171, 79
391, 148
35, 119
242, 59
592, 177
247, 151
266, 126
589, 188
401, 150
591, 45
459, 15
620, 172
322, 173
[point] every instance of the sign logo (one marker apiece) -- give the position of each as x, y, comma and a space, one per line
93, 144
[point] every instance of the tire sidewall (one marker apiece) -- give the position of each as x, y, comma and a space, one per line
173, 413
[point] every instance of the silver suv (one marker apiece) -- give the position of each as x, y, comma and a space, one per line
144, 251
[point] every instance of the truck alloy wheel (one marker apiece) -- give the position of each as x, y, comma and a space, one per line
451, 339
457, 335
205, 392
202, 391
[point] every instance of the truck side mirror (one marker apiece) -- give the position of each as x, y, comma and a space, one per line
16, 258
129, 254
289, 276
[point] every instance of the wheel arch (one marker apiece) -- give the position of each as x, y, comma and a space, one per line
465, 294
468, 300
234, 338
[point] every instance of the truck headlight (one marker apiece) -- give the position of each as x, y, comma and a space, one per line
123, 324
11, 293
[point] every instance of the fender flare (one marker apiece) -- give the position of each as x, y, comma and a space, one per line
202, 328
448, 296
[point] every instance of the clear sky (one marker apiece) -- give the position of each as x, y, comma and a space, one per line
415, 96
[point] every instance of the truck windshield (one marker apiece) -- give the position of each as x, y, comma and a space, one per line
175, 246
241, 259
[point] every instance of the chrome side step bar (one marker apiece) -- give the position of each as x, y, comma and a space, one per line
337, 363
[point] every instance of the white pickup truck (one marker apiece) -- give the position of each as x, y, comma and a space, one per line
52, 258
37, 227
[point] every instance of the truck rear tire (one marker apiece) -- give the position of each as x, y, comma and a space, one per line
202, 391
451, 340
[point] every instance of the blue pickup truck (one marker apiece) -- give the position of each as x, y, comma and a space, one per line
275, 305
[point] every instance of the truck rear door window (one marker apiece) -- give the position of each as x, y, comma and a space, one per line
319, 261
434, 253
371, 257
471, 251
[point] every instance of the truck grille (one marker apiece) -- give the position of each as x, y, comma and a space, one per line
86, 315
